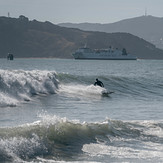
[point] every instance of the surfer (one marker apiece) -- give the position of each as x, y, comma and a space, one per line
99, 83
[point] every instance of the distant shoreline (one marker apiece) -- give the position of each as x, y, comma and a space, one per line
33, 39
78, 60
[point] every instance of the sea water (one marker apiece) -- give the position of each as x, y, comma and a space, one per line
50, 111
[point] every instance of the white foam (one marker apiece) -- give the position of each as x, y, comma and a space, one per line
20, 85
53, 161
122, 152
14, 147
82, 90
152, 128
6, 100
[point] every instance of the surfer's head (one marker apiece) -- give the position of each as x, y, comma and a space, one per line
96, 79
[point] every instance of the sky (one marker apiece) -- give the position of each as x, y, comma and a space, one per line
80, 11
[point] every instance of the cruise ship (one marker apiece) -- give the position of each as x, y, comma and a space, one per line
103, 54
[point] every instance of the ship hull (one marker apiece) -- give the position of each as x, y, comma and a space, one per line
106, 59
102, 57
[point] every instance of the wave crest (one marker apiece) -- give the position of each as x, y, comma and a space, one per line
17, 85
59, 138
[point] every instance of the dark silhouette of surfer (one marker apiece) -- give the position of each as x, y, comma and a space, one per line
99, 83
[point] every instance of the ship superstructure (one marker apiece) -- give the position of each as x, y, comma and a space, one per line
103, 54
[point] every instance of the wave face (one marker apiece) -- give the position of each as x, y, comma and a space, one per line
54, 138
141, 87
20, 85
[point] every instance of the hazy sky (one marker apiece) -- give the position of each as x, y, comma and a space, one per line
78, 11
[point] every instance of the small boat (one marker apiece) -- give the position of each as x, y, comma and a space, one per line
10, 56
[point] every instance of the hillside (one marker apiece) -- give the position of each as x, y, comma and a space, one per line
26, 38
146, 27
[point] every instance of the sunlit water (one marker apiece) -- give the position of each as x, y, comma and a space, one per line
50, 111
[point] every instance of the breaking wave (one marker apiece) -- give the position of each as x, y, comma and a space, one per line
17, 85
61, 139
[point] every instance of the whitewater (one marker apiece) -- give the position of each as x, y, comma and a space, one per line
50, 111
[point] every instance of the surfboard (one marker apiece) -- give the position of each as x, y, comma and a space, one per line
106, 93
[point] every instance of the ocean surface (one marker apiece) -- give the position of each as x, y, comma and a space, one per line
50, 111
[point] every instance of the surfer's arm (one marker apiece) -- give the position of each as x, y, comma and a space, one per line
102, 84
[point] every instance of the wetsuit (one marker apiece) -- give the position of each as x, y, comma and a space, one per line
99, 83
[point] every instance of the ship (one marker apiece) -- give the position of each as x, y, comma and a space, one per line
103, 54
